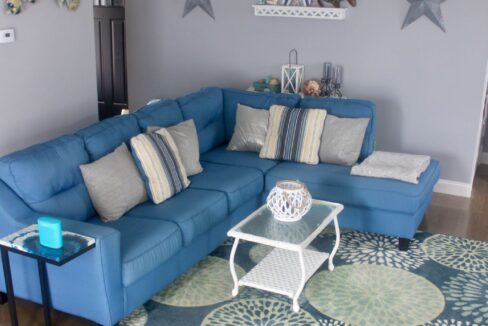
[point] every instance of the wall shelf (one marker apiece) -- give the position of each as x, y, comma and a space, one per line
300, 12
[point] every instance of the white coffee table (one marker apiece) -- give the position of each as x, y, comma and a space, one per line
290, 264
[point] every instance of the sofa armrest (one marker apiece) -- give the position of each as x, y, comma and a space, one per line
98, 292
14, 213
89, 286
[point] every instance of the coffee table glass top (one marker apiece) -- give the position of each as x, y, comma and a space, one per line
26, 241
261, 225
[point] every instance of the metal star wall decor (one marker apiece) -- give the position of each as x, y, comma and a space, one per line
428, 8
204, 4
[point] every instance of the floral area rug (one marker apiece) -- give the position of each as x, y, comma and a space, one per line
441, 281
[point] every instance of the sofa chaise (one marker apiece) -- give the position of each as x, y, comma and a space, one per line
144, 251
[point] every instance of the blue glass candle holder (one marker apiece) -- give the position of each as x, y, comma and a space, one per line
50, 232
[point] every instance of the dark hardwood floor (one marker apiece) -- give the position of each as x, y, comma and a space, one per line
447, 214
463, 217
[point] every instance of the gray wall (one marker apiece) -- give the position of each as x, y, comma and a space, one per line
428, 85
48, 76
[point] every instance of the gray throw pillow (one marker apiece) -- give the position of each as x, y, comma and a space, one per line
114, 184
342, 140
185, 137
250, 130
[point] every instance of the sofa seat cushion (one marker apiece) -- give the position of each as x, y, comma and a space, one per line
145, 244
334, 183
194, 211
221, 155
238, 183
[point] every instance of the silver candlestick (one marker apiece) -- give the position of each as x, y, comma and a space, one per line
327, 80
332, 80
337, 82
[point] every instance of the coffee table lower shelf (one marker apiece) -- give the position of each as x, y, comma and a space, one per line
281, 272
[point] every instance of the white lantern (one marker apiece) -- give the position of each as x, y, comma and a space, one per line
289, 201
292, 75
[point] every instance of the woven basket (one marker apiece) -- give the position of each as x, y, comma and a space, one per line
289, 201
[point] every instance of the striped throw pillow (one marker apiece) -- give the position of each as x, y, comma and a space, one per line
160, 165
294, 134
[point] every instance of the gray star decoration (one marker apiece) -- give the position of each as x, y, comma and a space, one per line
204, 4
428, 8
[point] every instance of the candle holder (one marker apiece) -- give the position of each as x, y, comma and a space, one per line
327, 80
326, 87
336, 91
332, 81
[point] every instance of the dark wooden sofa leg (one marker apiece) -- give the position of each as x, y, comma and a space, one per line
3, 298
403, 244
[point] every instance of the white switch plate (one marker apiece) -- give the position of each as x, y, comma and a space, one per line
7, 36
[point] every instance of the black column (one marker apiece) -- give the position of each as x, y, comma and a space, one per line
403, 244
10, 287
46, 304
3, 298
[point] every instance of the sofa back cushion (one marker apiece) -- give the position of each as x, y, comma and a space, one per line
48, 179
206, 109
104, 137
348, 109
164, 113
233, 97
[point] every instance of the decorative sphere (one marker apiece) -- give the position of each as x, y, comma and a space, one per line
274, 81
312, 88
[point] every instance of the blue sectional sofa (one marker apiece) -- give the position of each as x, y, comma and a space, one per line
151, 245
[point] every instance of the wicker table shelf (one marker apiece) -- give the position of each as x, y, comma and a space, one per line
284, 281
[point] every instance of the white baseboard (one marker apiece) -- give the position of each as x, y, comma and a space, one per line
484, 158
454, 188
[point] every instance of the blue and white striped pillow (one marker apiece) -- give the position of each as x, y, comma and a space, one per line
159, 162
294, 134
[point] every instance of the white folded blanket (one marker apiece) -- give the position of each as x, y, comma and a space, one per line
404, 167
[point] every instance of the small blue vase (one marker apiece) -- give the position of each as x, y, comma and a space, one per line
50, 232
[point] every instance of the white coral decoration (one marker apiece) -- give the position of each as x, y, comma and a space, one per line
468, 293
289, 201
258, 312
332, 322
451, 322
138, 317
462, 254
376, 249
